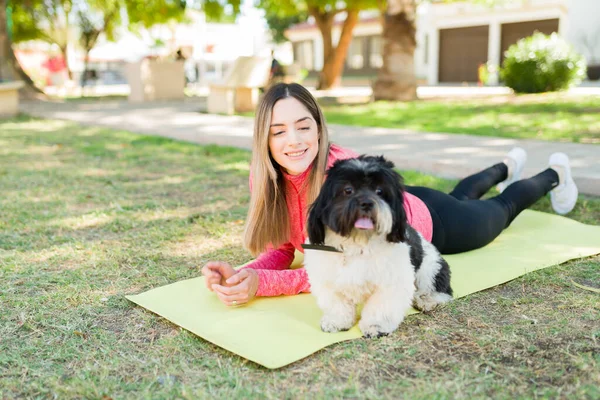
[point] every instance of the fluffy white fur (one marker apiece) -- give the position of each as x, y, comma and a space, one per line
378, 275
373, 272
370, 270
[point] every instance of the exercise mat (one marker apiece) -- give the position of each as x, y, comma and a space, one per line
277, 331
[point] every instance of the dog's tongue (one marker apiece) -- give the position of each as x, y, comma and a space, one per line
363, 223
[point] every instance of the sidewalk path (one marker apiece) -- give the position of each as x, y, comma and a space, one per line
446, 155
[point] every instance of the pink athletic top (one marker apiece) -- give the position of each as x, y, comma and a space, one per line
275, 277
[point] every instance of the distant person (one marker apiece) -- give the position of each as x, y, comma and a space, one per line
179, 56
277, 72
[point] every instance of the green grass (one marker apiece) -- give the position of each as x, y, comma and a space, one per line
545, 117
89, 215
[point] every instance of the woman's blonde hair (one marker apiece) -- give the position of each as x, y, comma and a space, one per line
268, 221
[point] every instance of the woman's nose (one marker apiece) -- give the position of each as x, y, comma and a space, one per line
293, 137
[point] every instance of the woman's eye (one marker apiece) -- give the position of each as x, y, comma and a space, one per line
277, 133
305, 128
378, 192
348, 190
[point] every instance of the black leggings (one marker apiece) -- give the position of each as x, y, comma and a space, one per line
463, 222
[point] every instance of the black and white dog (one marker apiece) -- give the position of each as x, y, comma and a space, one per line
382, 261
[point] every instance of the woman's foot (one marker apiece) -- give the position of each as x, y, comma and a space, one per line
563, 196
515, 161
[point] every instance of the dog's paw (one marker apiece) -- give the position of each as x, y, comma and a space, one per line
331, 324
430, 301
374, 330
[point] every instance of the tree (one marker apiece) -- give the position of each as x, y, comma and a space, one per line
9, 66
324, 13
46, 20
6, 68
51, 20
278, 25
396, 78
96, 18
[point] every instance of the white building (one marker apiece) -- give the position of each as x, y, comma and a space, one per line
210, 48
454, 39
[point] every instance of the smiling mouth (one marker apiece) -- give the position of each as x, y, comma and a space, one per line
296, 154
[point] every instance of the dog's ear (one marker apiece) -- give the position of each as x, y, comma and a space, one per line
380, 161
400, 223
315, 226
385, 163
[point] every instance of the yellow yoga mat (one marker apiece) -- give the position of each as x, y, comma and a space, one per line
277, 331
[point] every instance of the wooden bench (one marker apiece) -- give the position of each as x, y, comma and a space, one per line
240, 88
9, 98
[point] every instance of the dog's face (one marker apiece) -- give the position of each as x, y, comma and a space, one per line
362, 196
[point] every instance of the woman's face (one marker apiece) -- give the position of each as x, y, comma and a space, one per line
293, 136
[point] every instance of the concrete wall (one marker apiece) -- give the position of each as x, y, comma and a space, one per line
583, 25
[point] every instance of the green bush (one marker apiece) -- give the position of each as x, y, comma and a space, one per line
541, 63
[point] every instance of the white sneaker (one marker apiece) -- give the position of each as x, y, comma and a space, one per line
515, 160
563, 196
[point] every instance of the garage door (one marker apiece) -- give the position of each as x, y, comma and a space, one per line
461, 52
512, 33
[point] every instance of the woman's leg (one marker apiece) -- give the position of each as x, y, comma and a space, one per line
474, 186
464, 225
502, 174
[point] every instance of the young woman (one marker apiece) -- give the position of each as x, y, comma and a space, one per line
290, 155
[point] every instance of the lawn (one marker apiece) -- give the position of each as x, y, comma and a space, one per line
558, 117
90, 215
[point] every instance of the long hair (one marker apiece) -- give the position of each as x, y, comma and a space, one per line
268, 221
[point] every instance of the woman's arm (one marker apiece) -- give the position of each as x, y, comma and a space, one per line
274, 276
279, 259
287, 282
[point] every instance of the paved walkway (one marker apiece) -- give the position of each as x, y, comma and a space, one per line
446, 155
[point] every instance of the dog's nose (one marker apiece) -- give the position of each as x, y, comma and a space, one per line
366, 204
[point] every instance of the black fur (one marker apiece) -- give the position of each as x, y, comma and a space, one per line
416, 248
442, 279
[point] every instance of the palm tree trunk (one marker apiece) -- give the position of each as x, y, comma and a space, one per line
396, 79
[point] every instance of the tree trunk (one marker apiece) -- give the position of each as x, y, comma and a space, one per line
6, 69
64, 51
85, 71
334, 64
334, 57
396, 79
9, 65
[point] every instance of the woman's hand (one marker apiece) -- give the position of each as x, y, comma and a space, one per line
239, 288
217, 272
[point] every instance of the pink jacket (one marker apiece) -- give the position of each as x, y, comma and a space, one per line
275, 277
